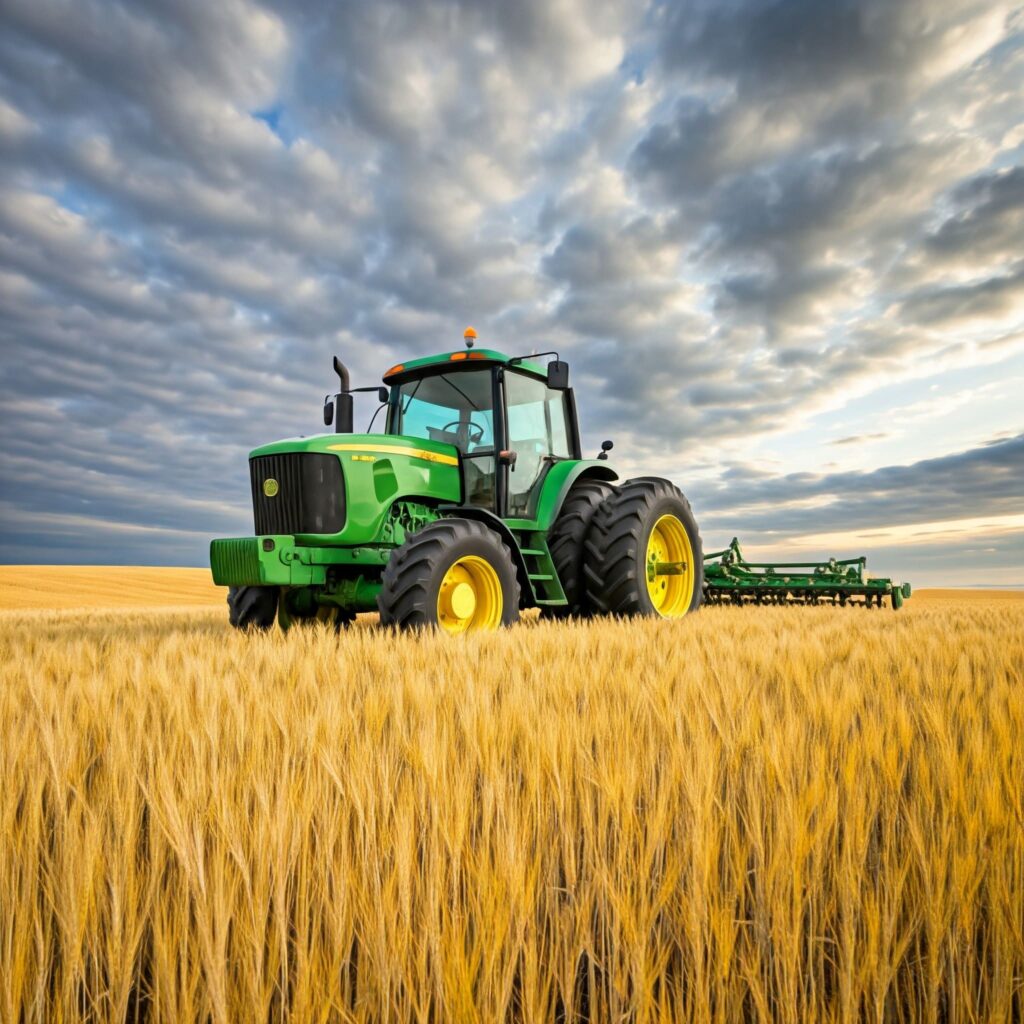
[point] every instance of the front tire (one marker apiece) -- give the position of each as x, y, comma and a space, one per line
454, 574
643, 552
252, 607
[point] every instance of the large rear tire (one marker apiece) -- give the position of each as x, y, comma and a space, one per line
566, 541
643, 552
454, 574
252, 607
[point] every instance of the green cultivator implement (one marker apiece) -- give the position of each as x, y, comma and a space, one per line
730, 579
473, 502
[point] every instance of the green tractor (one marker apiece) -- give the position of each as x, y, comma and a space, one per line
474, 503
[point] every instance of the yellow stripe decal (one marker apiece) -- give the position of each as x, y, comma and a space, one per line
390, 449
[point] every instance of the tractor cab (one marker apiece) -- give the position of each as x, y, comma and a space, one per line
509, 424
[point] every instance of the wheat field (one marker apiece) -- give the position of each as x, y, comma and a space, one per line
770, 814
89, 586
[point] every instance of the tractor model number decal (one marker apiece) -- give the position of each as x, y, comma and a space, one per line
391, 449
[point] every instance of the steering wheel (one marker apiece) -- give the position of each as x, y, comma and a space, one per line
470, 427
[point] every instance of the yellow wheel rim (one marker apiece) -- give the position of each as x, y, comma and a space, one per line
470, 596
669, 567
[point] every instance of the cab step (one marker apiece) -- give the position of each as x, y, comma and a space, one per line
540, 570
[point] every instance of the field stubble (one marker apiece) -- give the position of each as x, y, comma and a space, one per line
772, 814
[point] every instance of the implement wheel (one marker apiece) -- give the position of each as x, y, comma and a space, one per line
252, 607
566, 540
455, 574
643, 552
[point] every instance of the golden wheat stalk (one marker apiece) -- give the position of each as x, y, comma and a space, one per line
797, 815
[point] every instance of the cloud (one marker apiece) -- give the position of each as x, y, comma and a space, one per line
986, 222
797, 47
991, 300
858, 439
730, 216
978, 482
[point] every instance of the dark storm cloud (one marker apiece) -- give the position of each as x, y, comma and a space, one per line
719, 211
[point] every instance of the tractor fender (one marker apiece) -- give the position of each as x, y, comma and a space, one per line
559, 481
482, 515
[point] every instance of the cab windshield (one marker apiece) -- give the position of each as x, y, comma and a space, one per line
455, 407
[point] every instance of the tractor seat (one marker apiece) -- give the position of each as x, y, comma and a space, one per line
444, 436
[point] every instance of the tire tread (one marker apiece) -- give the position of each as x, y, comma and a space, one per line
252, 607
405, 600
612, 546
566, 544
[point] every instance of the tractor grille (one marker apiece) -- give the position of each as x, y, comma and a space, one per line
310, 493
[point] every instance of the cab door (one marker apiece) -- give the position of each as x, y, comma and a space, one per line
537, 432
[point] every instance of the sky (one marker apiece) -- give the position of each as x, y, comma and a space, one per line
780, 242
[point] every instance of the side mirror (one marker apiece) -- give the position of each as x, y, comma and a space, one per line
558, 375
328, 412
606, 447
383, 394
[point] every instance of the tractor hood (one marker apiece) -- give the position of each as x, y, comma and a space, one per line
384, 445
376, 471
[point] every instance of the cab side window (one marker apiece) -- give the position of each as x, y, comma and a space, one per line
537, 433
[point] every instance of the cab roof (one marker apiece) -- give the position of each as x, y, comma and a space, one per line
462, 358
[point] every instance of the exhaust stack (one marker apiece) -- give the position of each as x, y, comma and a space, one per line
341, 408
